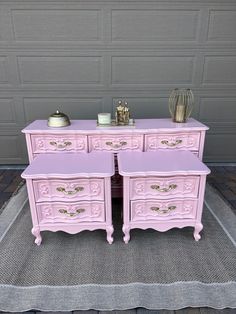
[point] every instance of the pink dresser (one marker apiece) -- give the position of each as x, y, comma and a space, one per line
70, 192
162, 190
85, 136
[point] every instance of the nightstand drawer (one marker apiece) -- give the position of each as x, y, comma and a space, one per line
60, 212
68, 189
58, 143
189, 141
114, 143
163, 209
164, 187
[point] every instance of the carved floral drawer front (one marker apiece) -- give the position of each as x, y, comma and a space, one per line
189, 141
58, 143
73, 189
114, 143
163, 209
70, 212
163, 187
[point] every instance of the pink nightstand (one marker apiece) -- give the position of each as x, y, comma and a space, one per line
162, 190
70, 192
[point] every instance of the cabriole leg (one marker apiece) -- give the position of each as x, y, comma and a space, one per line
110, 231
198, 228
36, 232
126, 231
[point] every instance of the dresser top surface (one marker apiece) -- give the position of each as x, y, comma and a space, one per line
90, 126
163, 163
86, 165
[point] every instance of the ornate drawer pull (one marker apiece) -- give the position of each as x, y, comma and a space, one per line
58, 145
78, 211
123, 143
70, 192
171, 144
157, 187
163, 211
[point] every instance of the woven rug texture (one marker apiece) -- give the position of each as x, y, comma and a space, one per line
154, 270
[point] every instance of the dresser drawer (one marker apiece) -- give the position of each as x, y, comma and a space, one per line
163, 209
114, 143
68, 189
58, 143
76, 212
164, 187
189, 141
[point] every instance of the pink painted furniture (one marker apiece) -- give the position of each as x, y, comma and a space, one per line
70, 192
162, 190
84, 136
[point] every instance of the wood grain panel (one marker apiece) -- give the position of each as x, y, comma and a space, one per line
146, 107
217, 144
59, 69
151, 25
220, 70
12, 151
3, 70
152, 69
76, 108
217, 109
7, 111
222, 25
57, 25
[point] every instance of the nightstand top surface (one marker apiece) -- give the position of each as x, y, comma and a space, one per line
163, 163
66, 165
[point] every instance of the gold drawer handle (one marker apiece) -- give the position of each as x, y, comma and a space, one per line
171, 144
123, 143
163, 211
157, 187
78, 211
58, 145
70, 192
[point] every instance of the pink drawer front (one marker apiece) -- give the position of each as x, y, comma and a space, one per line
188, 141
114, 143
58, 143
74, 189
70, 212
163, 209
164, 187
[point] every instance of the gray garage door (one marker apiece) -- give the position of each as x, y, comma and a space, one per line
82, 56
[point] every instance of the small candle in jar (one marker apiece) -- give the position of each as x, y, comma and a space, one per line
180, 113
104, 118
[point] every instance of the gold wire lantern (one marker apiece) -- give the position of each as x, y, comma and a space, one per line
181, 103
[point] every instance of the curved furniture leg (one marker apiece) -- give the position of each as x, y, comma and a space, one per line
126, 231
36, 232
110, 231
198, 228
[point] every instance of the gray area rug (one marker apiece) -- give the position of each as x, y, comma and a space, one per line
154, 271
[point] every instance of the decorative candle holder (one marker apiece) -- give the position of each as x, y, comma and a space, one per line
181, 103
